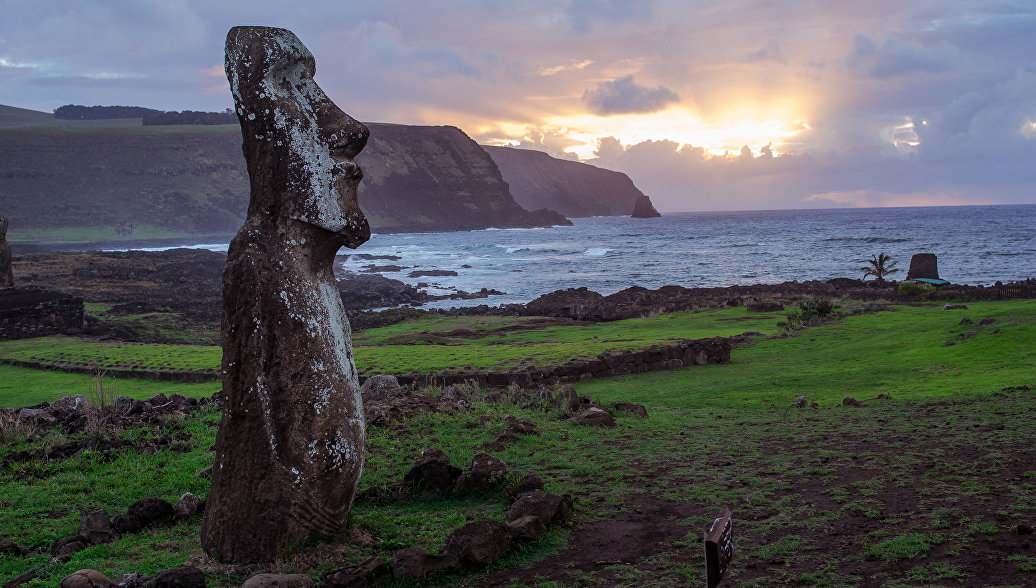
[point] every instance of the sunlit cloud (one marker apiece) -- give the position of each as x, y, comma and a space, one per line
572, 65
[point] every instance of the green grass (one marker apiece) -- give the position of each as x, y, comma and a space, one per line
24, 386
61, 350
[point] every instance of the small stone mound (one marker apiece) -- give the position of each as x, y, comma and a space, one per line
552, 509
370, 572
279, 581
413, 563
432, 472
595, 417
86, 579
521, 426
181, 577
486, 473
635, 409
478, 543
849, 401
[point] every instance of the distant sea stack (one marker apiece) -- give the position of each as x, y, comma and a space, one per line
644, 209
572, 188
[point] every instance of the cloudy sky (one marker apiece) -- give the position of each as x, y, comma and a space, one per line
707, 105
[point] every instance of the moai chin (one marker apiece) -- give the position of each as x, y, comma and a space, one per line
6, 273
289, 450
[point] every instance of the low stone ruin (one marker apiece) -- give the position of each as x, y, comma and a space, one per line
37, 313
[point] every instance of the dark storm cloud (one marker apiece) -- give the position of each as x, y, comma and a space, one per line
624, 96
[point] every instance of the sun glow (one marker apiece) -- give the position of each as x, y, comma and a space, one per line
727, 135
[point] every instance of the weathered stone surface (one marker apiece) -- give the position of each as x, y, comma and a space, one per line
923, 265
634, 409
278, 581
412, 562
486, 473
188, 506
370, 573
478, 543
552, 509
849, 401
432, 472
6, 273
380, 388
68, 545
8, 547
523, 426
528, 483
596, 417
954, 306
96, 527
528, 528
86, 579
28, 313
289, 450
132, 580
181, 577
643, 208
143, 513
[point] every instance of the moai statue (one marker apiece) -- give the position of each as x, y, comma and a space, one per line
290, 445
6, 273
923, 265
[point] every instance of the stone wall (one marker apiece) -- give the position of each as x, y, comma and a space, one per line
36, 313
685, 353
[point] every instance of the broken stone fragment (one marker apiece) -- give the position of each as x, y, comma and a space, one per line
278, 581
635, 409
486, 473
528, 483
412, 563
595, 417
188, 506
86, 579
552, 509
181, 577
96, 527
478, 543
528, 528
369, 573
522, 426
432, 472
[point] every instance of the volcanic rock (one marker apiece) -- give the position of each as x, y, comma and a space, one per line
552, 509
528, 483
96, 527
923, 265
634, 409
188, 506
596, 417
369, 573
86, 579
486, 473
181, 577
478, 543
293, 422
412, 562
642, 208
432, 472
528, 528
278, 581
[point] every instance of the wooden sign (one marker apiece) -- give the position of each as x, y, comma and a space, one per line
719, 548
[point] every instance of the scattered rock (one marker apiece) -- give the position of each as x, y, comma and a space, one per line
453, 395
955, 307
96, 527
188, 505
478, 543
1023, 529
368, 573
597, 417
507, 436
799, 402
552, 509
523, 426
966, 321
68, 545
35, 416
849, 401
986, 321
528, 528
412, 562
86, 579
181, 577
572, 402
279, 581
143, 513
635, 409
381, 387
431, 273
486, 473
432, 472
528, 483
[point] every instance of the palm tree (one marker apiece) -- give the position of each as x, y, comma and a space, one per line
879, 267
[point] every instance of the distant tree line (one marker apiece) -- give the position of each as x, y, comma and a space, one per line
150, 116
190, 117
79, 112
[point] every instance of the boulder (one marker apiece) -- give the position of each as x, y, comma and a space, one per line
132, 580
955, 307
432, 472
595, 417
96, 527
188, 505
523, 426
453, 395
552, 509
635, 409
381, 388
8, 547
369, 573
486, 473
40, 417
86, 579
278, 581
68, 545
528, 483
528, 528
923, 265
143, 513
181, 577
849, 401
478, 543
412, 563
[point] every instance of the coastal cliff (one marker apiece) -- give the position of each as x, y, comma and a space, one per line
122, 182
572, 188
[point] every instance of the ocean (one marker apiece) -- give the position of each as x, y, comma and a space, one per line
974, 245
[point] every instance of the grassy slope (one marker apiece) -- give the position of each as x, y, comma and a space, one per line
717, 436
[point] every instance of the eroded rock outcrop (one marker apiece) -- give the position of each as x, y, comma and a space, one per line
290, 445
643, 208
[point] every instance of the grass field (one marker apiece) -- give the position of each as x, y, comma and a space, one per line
922, 488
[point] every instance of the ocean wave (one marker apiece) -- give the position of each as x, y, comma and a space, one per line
596, 251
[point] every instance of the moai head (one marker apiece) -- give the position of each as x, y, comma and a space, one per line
3, 227
298, 144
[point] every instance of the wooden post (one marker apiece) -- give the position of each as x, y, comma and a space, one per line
719, 548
